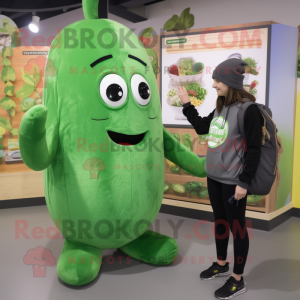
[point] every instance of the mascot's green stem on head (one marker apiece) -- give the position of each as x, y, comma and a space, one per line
100, 141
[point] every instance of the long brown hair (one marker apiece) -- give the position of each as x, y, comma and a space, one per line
233, 96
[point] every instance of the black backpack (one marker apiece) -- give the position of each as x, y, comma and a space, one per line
267, 169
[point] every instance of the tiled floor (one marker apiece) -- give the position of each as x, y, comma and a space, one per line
272, 271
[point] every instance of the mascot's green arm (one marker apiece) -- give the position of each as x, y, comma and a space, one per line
37, 145
182, 156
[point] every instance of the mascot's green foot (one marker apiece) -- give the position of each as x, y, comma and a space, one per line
78, 263
153, 248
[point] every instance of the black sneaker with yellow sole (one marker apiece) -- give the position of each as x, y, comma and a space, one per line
231, 288
215, 270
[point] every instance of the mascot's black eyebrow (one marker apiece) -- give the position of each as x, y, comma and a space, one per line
136, 58
99, 60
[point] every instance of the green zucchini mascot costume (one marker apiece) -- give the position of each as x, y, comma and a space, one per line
99, 139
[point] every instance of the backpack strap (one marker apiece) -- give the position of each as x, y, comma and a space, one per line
241, 114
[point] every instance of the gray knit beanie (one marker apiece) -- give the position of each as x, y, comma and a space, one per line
230, 72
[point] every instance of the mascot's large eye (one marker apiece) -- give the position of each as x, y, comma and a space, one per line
113, 90
140, 89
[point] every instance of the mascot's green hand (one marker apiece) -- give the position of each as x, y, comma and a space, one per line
37, 145
183, 157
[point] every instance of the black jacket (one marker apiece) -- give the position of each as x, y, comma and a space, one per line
253, 123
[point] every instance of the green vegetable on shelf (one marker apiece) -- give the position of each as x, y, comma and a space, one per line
178, 188
176, 136
253, 199
187, 140
167, 187
203, 193
193, 185
175, 169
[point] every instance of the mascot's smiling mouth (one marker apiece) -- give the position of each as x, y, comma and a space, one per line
125, 139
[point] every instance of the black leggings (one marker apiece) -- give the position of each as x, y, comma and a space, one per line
229, 214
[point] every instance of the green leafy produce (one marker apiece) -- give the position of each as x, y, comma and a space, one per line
6, 52
6, 103
147, 32
3, 30
198, 68
171, 93
176, 136
186, 20
253, 91
27, 103
187, 140
174, 101
195, 188
167, 187
253, 199
5, 123
175, 169
8, 73
5, 62
203, 193
185, 67
196, 87
193, 185
14, 131
25, 91
174, 24
298, 70
9, 89
251, 68
178, 188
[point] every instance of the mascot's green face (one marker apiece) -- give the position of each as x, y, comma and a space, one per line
109, 166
